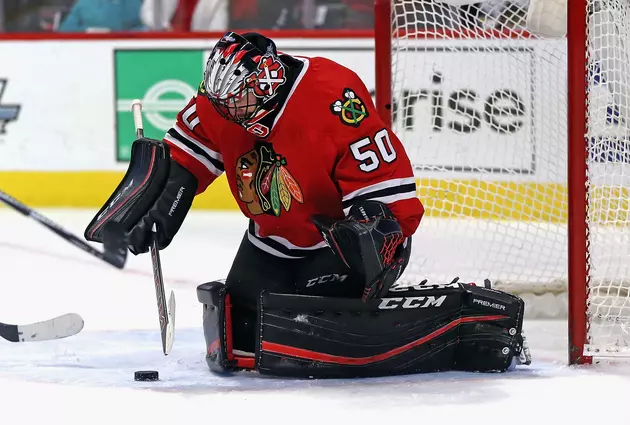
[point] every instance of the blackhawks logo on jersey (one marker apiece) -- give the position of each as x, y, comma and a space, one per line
264, 184
351, 109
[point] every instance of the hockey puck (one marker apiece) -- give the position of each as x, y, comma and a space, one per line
146, 375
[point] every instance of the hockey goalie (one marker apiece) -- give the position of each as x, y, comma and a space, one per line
331, 198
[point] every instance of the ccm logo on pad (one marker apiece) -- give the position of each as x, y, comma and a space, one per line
325, 279
411, 302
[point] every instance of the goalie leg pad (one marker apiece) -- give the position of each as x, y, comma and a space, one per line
490, 346
347, 338
435, 328
216, 325
217, 329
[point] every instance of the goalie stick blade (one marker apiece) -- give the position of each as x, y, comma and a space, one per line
56, 328
170, 327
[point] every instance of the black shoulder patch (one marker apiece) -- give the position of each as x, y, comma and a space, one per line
350, 108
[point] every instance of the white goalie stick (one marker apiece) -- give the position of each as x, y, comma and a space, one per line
56, 328
166, 312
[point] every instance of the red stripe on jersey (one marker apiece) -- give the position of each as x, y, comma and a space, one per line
202, 174
192, 164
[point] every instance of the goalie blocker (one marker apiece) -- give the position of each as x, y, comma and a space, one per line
424, 328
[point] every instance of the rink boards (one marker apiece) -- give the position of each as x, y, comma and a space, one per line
68, 143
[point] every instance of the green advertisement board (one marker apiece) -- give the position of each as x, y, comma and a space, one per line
164, 80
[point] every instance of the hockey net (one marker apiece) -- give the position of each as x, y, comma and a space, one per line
479, 95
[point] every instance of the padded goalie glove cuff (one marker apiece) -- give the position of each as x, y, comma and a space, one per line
370, 242
168, 212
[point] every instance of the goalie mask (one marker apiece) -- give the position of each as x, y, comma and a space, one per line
243, 76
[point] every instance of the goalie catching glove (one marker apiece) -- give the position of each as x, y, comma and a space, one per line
155, 190
371, 243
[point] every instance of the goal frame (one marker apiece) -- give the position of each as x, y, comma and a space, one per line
577, 146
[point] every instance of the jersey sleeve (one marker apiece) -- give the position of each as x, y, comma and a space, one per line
193, 149
372, 161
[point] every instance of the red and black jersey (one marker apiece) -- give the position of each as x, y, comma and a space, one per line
323, 149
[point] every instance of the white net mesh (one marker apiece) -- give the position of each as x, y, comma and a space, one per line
608, 32
481, 106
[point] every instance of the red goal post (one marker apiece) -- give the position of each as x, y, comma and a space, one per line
573, 204
577, 149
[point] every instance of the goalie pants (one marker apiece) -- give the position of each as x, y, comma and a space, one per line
321, 273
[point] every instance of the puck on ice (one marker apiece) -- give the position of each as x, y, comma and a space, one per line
146, 375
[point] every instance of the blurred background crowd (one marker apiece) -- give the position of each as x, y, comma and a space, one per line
219, 15
182, 15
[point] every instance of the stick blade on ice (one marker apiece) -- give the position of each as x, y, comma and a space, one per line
56, 328
170, 327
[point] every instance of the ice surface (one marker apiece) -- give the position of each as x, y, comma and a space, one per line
88, 378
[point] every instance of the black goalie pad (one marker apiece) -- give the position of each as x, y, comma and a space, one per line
216, 320
437, 328
217, 329
143, 182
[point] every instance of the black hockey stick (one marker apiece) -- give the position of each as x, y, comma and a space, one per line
56, 328
114, 240
166, 313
